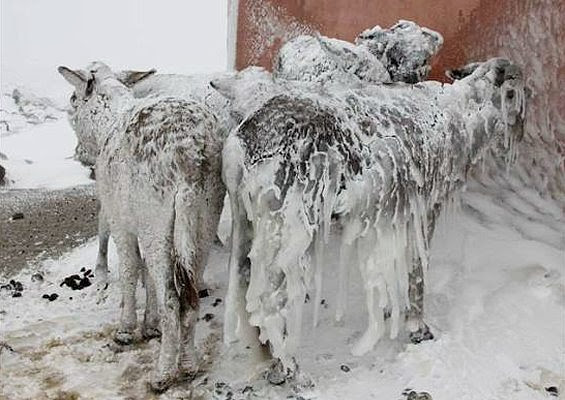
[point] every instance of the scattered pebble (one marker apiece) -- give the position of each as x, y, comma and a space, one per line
50, 297
17, 216
37, 277
552, 390
15, 288
216, 302
413, 395
344, 368
203, 293
306, 298
208, 317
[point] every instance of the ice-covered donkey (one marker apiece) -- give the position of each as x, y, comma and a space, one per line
386, 159
142, 84
401, 53
159, 184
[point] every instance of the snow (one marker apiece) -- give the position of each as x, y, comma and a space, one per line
494, 301
42, 157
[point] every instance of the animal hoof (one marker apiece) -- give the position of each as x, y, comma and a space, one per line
123, 337
151, 333
423, 333
161, 382
101, 292
276, 374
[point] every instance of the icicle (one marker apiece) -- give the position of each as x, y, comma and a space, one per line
350, 230
319, 255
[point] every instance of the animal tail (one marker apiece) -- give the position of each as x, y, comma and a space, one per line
184, 254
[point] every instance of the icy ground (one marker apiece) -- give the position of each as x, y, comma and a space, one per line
495, 301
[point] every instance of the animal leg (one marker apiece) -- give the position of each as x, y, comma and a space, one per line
158, 257
236, 322
151, 317
101, 269
419, 331
128, 253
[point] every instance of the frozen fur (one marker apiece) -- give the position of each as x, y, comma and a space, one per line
387, 160
159, 184
401, 53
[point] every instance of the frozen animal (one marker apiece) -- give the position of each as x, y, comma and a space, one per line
386, 159
143, 84
401, 53
160, 189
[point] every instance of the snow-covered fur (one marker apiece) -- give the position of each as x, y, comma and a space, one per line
386, 159
149, 84
159, 184
405, 49
401, 53
321, 59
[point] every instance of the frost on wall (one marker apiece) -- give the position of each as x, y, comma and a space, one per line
269, 25
532, 33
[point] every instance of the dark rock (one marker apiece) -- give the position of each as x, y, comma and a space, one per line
208, 317
216, 302
75, 282
50, 297
552, 390
37, 277
306, 298
344, 368
17, 216
203, 293
247, 389
17, 294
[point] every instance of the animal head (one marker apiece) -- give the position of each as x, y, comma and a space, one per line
405, 49
497, 86
93, 88
354, 60
246, 90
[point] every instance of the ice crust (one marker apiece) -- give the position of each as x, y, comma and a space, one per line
385, 159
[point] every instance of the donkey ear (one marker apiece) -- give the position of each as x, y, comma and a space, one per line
76, 78
130, 78
225, 86
460, 73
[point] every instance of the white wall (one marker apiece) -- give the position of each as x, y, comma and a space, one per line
183, 36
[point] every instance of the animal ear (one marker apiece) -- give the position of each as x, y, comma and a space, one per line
343, 53
130, 78
460, 73
225, 86
76, 78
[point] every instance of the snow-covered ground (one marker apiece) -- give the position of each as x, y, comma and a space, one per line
495, 301
37, 143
